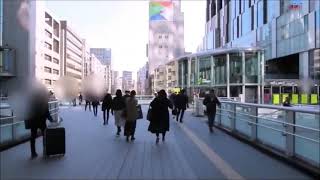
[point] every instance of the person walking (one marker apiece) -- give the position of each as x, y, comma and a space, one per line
38, 114
131, 116
106, 106
211, 101
172, 99
287, 102
80, 99
159, 122
117, 108
88, 103
95, 104
181, 103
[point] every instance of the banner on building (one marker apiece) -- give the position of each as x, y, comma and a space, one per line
161, 10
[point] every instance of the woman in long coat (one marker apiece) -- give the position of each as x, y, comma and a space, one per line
118, 106
131, 116
106, 106
159, 122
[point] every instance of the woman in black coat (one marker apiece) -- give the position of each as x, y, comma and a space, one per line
159, 122
106, 106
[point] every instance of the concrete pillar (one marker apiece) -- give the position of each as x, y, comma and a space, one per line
303, 65
228, 76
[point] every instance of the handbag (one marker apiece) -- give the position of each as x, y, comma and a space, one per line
149, 114
139, 112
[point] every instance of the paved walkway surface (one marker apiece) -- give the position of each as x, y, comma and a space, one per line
189, 152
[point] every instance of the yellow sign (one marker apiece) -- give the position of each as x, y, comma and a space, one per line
295, 99
304, 98
314, 99
276, 98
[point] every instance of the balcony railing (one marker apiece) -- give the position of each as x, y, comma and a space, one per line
291, 132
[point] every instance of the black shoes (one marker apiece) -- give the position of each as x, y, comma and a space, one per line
181, 121
163, 139
157, 141
34, 155
211, 129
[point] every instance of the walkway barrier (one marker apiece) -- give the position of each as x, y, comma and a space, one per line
12, 130
292, 132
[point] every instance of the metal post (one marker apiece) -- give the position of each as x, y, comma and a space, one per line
228, 76
232, 116
254, 112
290, 118
243, 77
189, 73
212, 74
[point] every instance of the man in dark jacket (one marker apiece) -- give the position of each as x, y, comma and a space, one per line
211, 101
181, 103
38, 114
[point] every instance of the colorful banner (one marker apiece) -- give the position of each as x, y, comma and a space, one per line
161, 10
295, 99
276, 99
304, 98
284, 96
314, 99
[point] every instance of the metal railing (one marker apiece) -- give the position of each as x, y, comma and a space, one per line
294, 132
13, 131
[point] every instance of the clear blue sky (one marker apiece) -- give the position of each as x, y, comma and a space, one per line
123, 26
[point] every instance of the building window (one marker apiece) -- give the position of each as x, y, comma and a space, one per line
48, 46
160, 36
48, 19
55, 60
47, 57
47, 69
55, 71
167, 36
48, 34
56, 46
56, 28
47, 81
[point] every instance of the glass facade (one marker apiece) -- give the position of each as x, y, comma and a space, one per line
1, 21
210, 71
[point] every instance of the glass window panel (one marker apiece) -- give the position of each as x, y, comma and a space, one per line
251, 66
220, 69
205, 70
235, 68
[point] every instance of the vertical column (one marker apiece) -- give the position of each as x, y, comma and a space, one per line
228, 76
212, 74
254, 120
232, 115
290, 116
261, 77
189, 73
243, 76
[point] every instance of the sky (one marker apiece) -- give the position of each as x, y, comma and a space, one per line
123, 26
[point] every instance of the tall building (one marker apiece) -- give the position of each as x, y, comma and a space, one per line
160, 81
286, 30
166, 32
104, 55
73, 57
29, 51
127, 83
115, 82
141, 80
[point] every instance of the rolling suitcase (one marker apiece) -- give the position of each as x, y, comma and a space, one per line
54, 141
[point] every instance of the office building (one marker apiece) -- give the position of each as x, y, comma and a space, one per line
141, 80
127, 83
104, 55
287, 31
29, 51
73, 57
115, 82
166, 32
171, 75
160, 81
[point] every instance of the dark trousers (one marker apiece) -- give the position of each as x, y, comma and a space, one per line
85, 107
95, 110
104, 115
211, 118
130, 128
163, 134
181, 113
33, 139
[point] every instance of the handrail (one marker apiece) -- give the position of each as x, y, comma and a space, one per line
296, 109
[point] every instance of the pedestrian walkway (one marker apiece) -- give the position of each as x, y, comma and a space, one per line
189, 152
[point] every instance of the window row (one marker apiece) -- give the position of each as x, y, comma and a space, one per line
49, 58
50, 70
